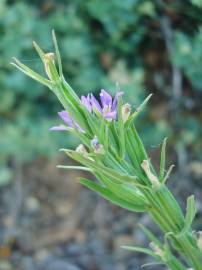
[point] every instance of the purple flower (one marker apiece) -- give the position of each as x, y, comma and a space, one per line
107, 106
98, 148
64, 115
86, 101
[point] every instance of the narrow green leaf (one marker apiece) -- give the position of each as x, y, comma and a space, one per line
150, 236
162, 160
121, 130
190, 212
74, 168
114, 135
129, 193
132, 150
96, 167
138, 111
40, 52
141, 149
57, 53
29, 72
141, 250
152, 264
110, 196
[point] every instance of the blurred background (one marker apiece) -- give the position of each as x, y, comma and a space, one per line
47, 219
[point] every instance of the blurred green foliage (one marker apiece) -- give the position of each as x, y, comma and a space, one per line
101, 42
188, 56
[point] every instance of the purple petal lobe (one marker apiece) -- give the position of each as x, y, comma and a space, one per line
58, 128
110, 115
105, 98
86, 102
79, 128
95, 104
66, 118
115, 101
94, 142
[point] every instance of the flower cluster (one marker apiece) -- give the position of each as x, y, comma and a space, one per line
108, 106
107, 109
113, 151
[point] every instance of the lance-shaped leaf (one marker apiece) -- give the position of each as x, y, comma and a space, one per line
140, 145
162, 160
137, 111
40, 52
170, 259
57, 53
120, 130
127, 192
142, 250
171, 206
131, 148
151, 236
112, 174
31, 73
110, 196
190, 212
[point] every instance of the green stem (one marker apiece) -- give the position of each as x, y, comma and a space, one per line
166, 218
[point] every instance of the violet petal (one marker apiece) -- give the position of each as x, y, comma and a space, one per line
115, 101
105, 98
110, 115
66, 118
79, 128
58, 128
86, 102
95, 104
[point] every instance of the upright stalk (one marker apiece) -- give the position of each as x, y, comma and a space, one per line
112, 150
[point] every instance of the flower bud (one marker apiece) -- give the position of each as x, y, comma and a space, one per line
199, 240
48, 59
157, 250
98, 148
81, 149
153, 179
125, 111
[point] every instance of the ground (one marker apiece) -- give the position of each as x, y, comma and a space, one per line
50, 222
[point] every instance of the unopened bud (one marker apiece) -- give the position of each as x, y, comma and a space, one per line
81, 149
153, 179
125, 111
199, 240
157, 250
48, 59
98, 148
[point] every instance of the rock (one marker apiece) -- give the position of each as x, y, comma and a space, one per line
28, 263
5, 265
32, 205
57, 264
